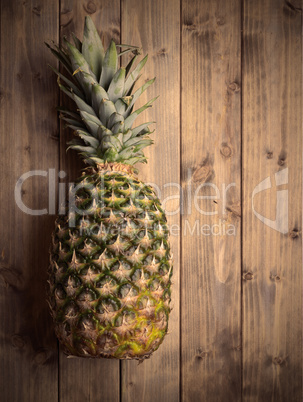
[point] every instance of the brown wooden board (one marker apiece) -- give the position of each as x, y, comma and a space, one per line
229, 117
29, 142
155, 26
87, 379
211, 166
272, 151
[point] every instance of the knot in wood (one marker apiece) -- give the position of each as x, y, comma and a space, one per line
201, 354
275, 278
90, 7
234, 87
278, 361
202, 173
66, 17
17, 341
248, 276
41, 357
225, 151
37, 10
294, 233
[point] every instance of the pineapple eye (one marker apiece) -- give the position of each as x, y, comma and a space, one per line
155, 285
115, 266
71, 310
144, 302
60, 292
118, 321
72, 281
66, 329
141, 234
164, 268
136, 275
148, 259
140, 196
62, 267
167, 295
126, 265
130, 251
153, 207
106, 281
87, 322
106, 341
110, 305
112, 240
94, 229
87, 295
148, 190
91, 268
127, 290
100, 308
129, 316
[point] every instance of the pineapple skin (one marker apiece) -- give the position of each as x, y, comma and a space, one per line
110, 268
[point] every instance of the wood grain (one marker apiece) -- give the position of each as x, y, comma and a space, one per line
272, 142
155, 26
195, 52
29, 141
87, 379
211, 156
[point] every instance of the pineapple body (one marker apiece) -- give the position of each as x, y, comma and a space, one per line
110, 270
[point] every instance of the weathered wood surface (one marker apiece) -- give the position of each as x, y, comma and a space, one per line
211, 153
87, 379
272, 258
155, 26
29, 141
229, 76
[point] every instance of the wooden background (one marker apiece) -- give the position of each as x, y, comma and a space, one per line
229, 75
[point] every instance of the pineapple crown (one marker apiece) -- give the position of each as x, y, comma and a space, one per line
103, 94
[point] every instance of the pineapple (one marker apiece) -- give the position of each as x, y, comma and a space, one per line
110, 261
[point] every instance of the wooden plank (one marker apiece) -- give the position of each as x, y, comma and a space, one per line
87, 379
155, 26
211, 166
272, 147
29, 141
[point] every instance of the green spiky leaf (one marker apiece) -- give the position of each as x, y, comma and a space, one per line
116, 87
136, 96
77, 42
77, 60
131, 118
70, 84
142, 129
88, 138
104, 98
92, 48
107, 108
98, 94
134, 75
114, 119
109, 65
118, 127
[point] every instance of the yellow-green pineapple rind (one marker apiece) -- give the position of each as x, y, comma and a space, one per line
110, 275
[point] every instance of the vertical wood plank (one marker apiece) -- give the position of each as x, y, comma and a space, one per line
154, 25
87, 379
211, 156
272, 150
29, 141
